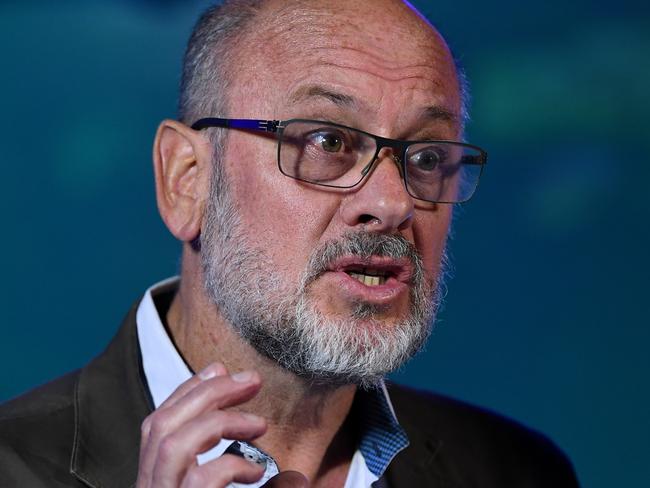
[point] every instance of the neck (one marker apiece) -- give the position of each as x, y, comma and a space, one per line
306, 428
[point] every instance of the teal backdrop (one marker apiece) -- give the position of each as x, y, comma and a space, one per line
546, 319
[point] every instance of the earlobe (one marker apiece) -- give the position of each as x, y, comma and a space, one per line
180, 157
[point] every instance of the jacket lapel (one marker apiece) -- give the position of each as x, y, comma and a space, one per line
111, 401
422, 463
416, 465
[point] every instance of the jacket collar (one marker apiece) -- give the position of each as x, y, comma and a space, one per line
111, 401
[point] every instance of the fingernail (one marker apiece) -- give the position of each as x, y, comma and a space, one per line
208, 372
242, 376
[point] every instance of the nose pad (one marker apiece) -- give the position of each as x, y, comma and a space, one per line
398, 162
396, 159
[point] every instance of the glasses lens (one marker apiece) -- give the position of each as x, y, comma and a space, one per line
443, 172
325, 154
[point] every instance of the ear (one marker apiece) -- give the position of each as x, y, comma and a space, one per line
181, 162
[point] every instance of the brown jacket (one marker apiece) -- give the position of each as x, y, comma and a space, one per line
84, 430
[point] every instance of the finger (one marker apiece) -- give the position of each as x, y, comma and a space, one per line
178, 451
222, 471
288, 479
201, 395
146, 463
216, 393
211, 371
209, 394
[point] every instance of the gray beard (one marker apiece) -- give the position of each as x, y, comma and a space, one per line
285, 325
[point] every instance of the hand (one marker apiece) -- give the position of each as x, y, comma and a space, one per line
191, 421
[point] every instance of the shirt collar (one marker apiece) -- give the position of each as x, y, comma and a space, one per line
163, 366
380, 436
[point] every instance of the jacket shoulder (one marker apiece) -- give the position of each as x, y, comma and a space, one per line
42, 400
473, 446
36, 436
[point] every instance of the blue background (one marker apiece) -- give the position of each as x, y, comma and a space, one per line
547, 316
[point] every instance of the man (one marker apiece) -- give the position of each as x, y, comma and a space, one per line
313, 253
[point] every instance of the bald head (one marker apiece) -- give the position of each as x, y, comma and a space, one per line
226, 35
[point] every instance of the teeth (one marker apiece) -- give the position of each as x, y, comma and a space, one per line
369, 280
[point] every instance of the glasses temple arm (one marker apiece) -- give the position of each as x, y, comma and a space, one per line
250, 124
476, 160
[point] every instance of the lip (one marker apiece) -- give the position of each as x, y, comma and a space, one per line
400, 269
398, 283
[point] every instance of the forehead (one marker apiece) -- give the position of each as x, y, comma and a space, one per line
375, 58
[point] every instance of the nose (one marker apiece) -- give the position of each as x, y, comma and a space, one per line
381, 203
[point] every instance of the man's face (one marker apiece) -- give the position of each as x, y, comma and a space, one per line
285, 260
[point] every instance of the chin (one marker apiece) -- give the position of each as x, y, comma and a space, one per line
330, 381
334, 351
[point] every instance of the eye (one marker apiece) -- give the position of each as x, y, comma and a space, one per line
330, 142
428, 158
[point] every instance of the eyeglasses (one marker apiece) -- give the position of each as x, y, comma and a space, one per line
337, 156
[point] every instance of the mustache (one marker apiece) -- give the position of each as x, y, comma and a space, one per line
364, 245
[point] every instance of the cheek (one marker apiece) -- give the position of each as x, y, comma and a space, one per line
430, 230
281, 216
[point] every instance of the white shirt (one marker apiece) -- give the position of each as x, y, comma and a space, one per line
165, 370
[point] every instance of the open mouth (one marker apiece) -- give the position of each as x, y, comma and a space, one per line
369, 276
375, 270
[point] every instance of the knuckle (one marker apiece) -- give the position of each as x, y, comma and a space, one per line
195, 477
167, 449
159, 423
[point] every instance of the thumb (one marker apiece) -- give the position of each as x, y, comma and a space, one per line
288, 479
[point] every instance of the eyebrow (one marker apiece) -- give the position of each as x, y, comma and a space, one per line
436, 112
317, 91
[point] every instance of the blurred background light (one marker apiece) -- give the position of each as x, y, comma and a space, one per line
546, 319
